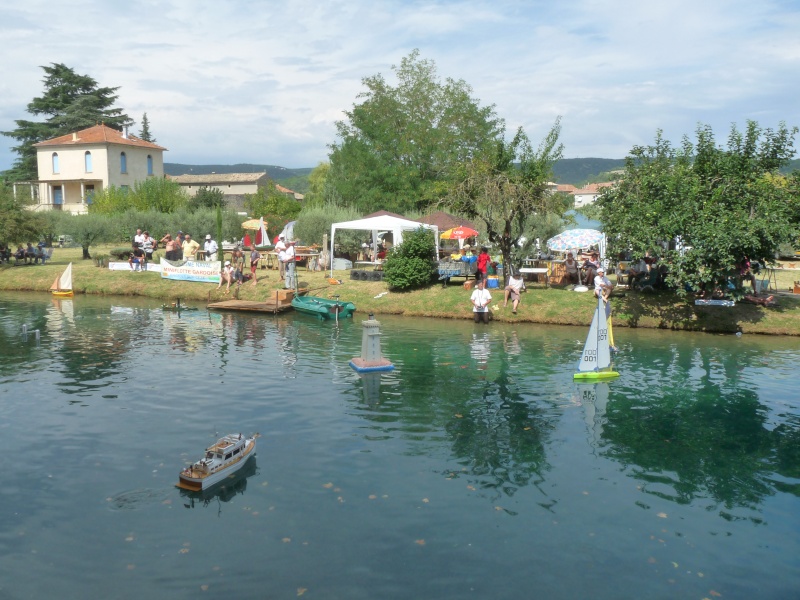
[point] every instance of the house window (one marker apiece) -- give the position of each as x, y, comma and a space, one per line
87, 159
123, 163
149, 165
89, 191
55, 163
124, 189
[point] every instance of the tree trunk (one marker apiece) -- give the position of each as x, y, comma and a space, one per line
86, 255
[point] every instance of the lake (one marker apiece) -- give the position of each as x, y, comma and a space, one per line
476, 469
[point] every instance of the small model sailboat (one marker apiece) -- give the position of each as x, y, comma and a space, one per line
595, 363
62, 286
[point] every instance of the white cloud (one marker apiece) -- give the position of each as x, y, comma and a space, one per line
264, 82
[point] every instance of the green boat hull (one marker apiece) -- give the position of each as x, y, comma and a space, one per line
324, 309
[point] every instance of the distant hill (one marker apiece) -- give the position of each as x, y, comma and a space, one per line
274, 172
581, 170
577, 171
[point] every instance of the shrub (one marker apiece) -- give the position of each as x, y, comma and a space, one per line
410, 264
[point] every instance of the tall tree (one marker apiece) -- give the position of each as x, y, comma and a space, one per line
724, 204
70, 102
145, 131
16, 222
506, 189
400, 146
276, 207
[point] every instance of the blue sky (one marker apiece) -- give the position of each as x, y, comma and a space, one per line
265, 82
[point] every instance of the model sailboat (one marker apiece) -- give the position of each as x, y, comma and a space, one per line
595, 363
62, 286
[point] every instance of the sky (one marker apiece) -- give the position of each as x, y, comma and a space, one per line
264, 82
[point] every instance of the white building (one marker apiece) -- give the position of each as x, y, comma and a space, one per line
72, 167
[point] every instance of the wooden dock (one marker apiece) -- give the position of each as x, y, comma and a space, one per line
270, 306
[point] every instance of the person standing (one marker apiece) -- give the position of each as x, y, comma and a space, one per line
210, 249
480, 302
190, 247
280, 246
483, 262
148, 245
237, 260
138, 238
289, 263
255, 256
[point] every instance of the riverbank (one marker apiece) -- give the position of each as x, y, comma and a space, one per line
556, 306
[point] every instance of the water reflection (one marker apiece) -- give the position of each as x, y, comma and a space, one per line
224, 491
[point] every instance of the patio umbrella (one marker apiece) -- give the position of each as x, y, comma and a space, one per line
260, 227
575, 238
458, 233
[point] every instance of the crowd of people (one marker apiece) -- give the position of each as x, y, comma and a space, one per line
29, 255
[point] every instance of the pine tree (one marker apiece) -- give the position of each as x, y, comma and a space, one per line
70, 102
145, 132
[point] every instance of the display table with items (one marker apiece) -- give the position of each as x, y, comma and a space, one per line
456, 268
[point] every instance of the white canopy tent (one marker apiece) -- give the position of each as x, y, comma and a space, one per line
384, 223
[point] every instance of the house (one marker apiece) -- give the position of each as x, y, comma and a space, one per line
291, 193
589, 194
234, 186
74, 166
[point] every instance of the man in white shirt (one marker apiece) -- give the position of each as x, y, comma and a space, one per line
138, 238
602, 285
281, 247
210, 248
288, 262
480, 302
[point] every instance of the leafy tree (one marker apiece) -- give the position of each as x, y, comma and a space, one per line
400, 146
507, 188
208, 198
723, 204
315, 221
70, 102
88, 230
411, 264
17, 224
276, 208
145, 131
317, 181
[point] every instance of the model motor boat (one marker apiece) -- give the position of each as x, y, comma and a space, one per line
224, 458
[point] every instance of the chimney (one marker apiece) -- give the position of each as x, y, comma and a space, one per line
125, 133
74, 136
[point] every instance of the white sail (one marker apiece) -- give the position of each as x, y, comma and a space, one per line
63, 283
596, 352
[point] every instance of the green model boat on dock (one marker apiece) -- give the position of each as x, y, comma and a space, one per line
323, 308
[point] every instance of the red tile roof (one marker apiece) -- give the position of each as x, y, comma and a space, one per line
97, 135
445, 221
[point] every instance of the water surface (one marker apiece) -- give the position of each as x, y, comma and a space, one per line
476, 469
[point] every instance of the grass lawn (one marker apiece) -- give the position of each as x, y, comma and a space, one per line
538, 305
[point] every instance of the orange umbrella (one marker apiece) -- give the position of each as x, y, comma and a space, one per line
458, 233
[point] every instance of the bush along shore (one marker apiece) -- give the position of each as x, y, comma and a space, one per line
554, 306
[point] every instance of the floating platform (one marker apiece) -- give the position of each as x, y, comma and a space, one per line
270, 306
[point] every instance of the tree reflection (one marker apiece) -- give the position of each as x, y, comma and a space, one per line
709, 442
500, 436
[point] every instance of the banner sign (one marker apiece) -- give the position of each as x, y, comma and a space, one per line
191, 270
123, 266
